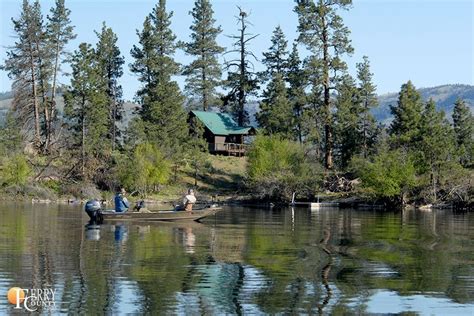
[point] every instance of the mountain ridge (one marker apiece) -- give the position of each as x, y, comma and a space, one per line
444, 95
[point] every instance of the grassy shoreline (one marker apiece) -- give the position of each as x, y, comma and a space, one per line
222, 181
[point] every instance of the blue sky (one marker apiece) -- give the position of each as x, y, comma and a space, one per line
428, 42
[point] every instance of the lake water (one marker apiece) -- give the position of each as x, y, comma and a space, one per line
243, 261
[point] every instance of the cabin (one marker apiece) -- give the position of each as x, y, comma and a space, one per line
222, 134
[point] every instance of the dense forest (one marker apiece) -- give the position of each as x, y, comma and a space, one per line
316, 129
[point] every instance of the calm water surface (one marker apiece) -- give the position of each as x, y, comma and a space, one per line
243, 261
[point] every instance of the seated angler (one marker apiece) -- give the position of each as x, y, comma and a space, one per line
189, 200
121, 202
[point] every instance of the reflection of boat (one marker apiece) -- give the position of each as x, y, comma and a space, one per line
195, 215
169, 224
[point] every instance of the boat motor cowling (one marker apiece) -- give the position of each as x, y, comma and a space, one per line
93, 209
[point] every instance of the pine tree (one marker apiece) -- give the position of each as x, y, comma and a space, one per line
111, 64
275, 59
297, 81
44, 64
11, 137
196, 148
314, 118
406, 124
33, 63
23, 69
368, 98
348, 135
160, 97
86, 111
276, 113
242, 80
463, 123
437, 140
323, 32
204, 73
59, 32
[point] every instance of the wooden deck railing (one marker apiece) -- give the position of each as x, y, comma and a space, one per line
229, 148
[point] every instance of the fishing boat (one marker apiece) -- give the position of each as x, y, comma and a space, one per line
158, 215
195, 215
97, 215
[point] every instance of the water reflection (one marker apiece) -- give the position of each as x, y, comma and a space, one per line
120, 233
244, 261
189, 240
92, 232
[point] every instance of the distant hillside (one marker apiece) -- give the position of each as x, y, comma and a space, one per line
444, 96
5, 101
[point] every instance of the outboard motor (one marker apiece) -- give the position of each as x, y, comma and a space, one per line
92, 209
139, 205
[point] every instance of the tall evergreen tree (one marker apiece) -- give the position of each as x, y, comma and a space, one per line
196, 148
368, 98
33, 63
348, 136
313, 119
297, 81
204, 73
275, 59
406, 124
59, 32
111, 66
463, 123
242, 80
160, 97
437, 140
22, 67
276, 113
44, 64
323, 32
86, 111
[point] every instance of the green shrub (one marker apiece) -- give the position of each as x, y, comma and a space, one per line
54, 185
15, 171
390, 175
145, 170
278, 167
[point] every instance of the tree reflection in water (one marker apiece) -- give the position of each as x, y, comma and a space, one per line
326, 270
244, 261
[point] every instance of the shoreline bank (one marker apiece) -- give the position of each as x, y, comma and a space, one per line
355, 202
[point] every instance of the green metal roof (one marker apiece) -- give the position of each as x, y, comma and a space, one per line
220, 123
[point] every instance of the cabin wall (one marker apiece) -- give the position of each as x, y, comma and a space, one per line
219, 139
208, 136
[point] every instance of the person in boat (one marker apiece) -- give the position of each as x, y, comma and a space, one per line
121, 202
189, 200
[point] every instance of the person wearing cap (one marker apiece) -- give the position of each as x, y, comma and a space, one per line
189, 200
121, 202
